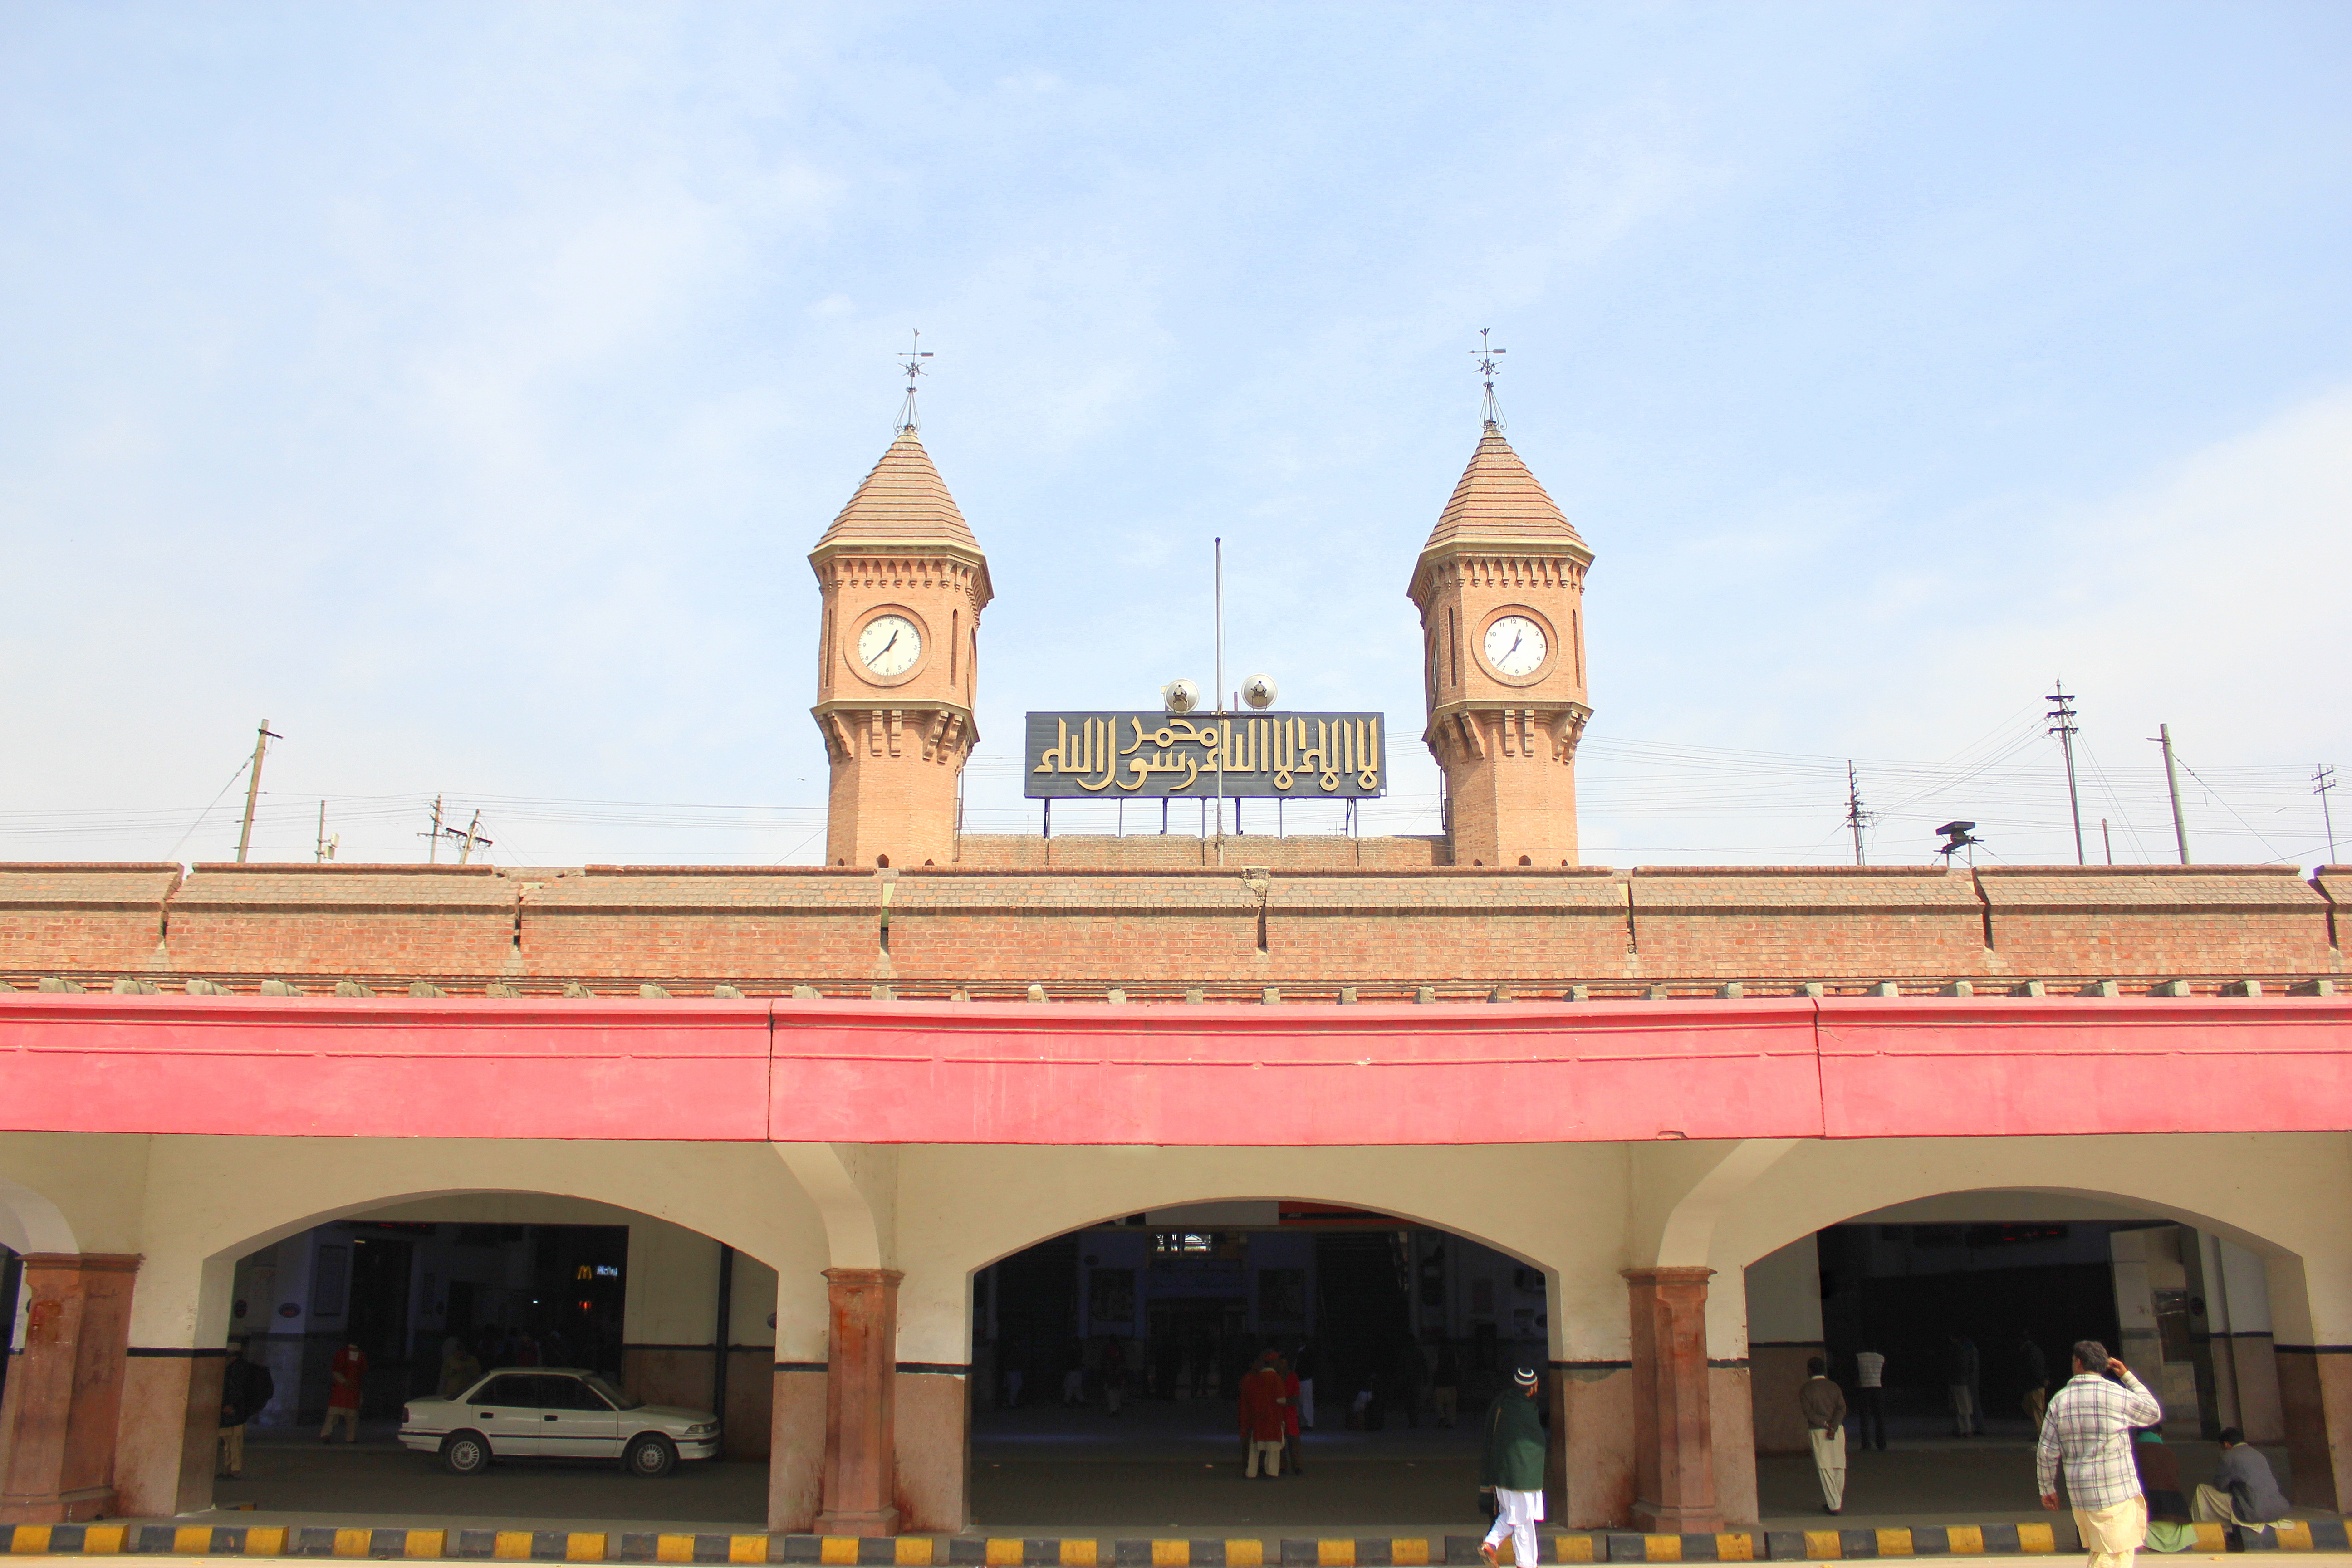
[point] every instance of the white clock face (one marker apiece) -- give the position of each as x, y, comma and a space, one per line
1516, 646
889, 645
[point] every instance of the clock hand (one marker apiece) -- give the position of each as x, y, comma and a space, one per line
886, 646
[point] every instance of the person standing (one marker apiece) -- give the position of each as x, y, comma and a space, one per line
1262, 1421
345, 1378
1446, 1390
2036, 1368
2245, 1492
2088, 1430
1824, 1404
1959, 1382
1290, 1386
1304, 1364
246, 1389
1511, 1466
1411, 1375
1114, 1372
1869, 1377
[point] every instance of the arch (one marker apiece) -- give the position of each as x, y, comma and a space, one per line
2190, 1179
29, 1222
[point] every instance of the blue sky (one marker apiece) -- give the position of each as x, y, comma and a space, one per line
461, 386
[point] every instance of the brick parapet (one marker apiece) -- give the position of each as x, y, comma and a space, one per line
1159, 932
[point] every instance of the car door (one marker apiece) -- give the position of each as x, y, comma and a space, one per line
575, 1421
506, 1411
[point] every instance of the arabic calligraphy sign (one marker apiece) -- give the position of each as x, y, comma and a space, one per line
1305, 756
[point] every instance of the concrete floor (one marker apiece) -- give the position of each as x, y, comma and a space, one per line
1158, 1469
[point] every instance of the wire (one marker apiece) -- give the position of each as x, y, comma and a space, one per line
199, 822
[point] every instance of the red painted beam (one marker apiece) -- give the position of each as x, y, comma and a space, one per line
384, 1067
1212, 1075
1927, 1067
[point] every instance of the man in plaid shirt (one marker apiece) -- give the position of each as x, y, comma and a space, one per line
2089, 1427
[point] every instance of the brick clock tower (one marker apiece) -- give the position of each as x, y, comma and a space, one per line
1500, 586
903, 582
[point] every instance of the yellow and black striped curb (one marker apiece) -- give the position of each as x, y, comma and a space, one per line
1031, 1552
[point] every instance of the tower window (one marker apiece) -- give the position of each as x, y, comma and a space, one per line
1453, 649
955, 635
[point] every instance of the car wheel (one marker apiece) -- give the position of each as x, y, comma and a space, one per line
650, 1454
465, 1453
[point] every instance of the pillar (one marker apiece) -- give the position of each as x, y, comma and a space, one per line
1673, 1425
169, 1436
934, 1418
860, 1403
64, 1391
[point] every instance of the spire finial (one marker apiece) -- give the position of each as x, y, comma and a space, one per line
913, 360
1488, 354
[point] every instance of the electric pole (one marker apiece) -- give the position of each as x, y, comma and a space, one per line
466, 848
2323, 779
1855, 817
2062, 724
2109, 839
253, 787
2163, 737
433, 839
326, 846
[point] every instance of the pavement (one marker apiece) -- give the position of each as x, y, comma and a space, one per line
1161, 1468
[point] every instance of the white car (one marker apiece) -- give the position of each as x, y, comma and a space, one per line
553, 1412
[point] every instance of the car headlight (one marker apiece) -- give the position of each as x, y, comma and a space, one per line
706, 1430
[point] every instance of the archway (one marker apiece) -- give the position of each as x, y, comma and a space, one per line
1106, 1362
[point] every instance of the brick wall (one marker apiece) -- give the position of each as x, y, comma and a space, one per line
1740, 922
1278, 914
83, 917
2158, 921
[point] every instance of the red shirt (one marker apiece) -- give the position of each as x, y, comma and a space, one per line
1262, 1406
349, 1371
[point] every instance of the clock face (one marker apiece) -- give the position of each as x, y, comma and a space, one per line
889, 645
1516, 646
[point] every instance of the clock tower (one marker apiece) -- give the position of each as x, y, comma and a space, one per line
1500, 587
903, 582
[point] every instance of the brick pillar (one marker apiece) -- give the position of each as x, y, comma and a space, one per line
1674, 1426
170, 1434
64, 1391
860, 1404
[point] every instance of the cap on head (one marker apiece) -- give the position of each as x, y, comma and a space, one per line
1525, 1377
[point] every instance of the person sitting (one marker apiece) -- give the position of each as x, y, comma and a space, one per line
2170, 1528
2244, 1492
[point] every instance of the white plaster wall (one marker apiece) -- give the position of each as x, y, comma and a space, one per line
72, 1192
212, 1200
1557, 1207
1784, 1295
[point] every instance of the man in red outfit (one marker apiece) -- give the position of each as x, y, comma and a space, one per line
346, 1376
1264, 1420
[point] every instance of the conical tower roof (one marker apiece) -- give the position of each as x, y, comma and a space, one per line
902, 504
1499, 504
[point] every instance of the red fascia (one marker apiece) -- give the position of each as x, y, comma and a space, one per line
909, 1072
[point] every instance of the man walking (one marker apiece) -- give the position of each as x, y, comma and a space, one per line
345, 1378
1823, 1403
1960, 1383
2088, 1429
1511, 1466
1869, 1377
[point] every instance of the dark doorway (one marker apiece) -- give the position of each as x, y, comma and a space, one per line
378, 1322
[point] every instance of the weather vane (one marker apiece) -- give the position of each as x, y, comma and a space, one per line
1486, 354
913, 359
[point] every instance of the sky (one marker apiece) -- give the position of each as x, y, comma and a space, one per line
461, 386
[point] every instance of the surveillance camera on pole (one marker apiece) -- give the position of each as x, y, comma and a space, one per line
1181, 696
1259, 692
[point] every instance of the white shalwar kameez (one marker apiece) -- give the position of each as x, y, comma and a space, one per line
1517, 1514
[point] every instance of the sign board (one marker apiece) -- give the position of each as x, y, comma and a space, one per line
1109, 756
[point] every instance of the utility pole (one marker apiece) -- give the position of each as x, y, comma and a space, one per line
2109, 839
325, 851
466, 849
2323, 779
433, 839
2163, 737
253, 787
2062, 724
1855, 817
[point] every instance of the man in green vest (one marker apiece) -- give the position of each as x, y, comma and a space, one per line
1511, 1466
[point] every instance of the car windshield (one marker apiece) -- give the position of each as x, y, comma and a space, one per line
620, 1400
